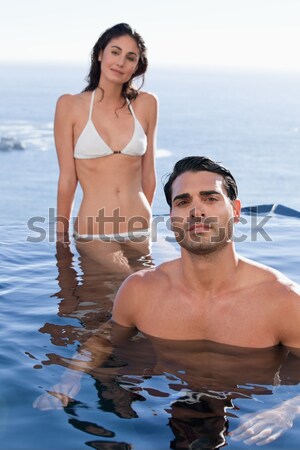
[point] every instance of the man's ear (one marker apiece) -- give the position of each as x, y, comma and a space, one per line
236, 210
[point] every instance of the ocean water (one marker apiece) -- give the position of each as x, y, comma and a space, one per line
50, 304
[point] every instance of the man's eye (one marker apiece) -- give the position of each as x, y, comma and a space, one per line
182, 203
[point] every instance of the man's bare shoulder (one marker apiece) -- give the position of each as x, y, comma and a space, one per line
151, 278
279, 301
147, 283
268, 279
138, 291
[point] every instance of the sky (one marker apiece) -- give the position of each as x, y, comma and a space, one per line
263, 34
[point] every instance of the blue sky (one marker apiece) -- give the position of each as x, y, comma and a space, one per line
261, 34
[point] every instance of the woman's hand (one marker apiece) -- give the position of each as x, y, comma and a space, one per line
264, 427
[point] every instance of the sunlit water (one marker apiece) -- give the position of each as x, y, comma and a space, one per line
48, 307
149, 395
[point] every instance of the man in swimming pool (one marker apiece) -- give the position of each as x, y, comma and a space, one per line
210, 292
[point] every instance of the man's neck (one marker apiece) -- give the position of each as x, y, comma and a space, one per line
212, 272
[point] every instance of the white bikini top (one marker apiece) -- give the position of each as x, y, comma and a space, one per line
91, 145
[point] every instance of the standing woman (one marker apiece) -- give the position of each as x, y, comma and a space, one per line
105, 139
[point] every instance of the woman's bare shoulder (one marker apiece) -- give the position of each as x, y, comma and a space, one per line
146, 98
72, 106
72, 100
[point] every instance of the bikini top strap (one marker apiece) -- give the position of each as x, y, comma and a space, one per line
130, 107
91, 105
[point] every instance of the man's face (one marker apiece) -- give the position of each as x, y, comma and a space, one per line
202, 215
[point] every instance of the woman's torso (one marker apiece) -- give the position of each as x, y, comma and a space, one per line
108, 158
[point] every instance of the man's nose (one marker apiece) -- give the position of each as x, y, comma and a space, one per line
197, 210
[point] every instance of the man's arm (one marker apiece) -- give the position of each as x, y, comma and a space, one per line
289, 316
266, 426
91, 354
97, 349
128, 304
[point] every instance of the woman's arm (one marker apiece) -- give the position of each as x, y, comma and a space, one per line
148, 162
63, 134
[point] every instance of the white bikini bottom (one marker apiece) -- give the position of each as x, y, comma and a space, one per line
138, 235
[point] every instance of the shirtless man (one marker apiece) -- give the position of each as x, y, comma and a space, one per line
210, 292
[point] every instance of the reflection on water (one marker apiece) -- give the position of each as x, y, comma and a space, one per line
177, 394
186, 391
88, 297
150, 394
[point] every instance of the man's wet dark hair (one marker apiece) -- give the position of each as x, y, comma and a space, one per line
200, 164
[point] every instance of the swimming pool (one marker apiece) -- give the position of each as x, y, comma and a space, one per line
248, 121
150, 394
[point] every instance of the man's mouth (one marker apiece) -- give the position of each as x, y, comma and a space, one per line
199, 227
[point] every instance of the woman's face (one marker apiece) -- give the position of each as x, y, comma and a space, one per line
119, 59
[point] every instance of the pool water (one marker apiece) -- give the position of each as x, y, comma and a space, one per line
149, 394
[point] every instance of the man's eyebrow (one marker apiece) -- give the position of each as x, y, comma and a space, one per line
180, 196
119, 48
212, 192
